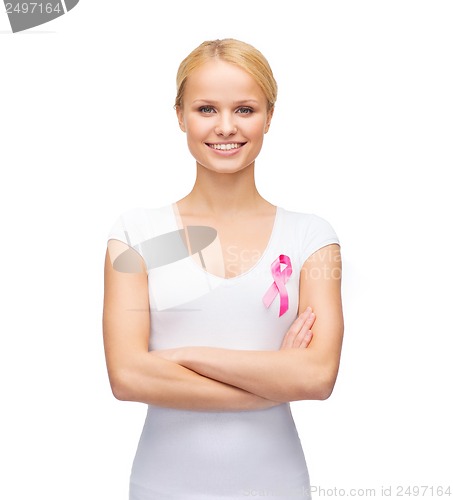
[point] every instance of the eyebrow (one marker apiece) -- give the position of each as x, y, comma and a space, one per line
210, 101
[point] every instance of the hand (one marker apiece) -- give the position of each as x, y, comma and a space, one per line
299, 333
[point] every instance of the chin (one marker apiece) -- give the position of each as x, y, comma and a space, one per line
225, 166
224, 169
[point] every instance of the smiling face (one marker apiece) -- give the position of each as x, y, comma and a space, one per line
225, 116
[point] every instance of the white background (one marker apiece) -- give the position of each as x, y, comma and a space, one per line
362, 136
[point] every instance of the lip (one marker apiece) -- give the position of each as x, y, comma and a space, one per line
226, 152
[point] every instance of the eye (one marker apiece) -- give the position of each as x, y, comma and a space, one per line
206, 109
245, 111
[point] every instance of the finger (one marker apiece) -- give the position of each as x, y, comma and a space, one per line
308, 324
295, 328
307, 339
292, 332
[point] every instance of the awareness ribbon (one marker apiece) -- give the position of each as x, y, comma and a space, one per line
278, 286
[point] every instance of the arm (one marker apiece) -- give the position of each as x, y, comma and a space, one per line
291, 373
138, 375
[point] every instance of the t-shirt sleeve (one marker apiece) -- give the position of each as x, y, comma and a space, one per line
119, 230
141, 228
318, 234
129, 228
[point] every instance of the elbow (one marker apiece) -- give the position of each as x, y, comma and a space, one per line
120, 387
119, 392
324, 391
320, 388
326, 385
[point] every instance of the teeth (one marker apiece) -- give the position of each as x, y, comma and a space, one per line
225, 147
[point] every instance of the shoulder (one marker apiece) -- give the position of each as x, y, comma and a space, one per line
309, 231
140, 214
306, 222
136, 225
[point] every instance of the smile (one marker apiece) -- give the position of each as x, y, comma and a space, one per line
226, 147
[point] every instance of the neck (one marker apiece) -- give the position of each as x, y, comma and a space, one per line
224, 195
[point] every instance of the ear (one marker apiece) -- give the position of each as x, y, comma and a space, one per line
180, 116
270, 114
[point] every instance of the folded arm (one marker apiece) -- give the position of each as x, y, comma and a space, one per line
138, 375
292, 373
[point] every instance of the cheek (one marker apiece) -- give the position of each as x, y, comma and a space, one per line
198, 129
257, 127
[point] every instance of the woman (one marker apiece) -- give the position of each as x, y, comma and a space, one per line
210, 303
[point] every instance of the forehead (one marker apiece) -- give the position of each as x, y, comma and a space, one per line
220, 80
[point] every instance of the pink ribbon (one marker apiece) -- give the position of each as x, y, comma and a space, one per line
278, 286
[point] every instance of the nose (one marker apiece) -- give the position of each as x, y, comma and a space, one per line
225, 125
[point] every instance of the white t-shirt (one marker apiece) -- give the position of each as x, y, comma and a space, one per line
205, 455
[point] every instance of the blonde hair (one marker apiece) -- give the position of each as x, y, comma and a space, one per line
235, 52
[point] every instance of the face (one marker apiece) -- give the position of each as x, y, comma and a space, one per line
224, 115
